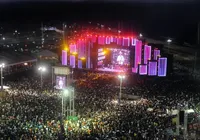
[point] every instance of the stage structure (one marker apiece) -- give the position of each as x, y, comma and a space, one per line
61, 80
114, 54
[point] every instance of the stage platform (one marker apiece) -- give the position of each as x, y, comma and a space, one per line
110, 70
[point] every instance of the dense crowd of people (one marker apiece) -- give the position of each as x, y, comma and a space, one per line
31, 112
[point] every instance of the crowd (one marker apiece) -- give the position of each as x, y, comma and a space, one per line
31, 112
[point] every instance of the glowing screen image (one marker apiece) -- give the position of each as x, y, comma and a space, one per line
110, 59
60, 82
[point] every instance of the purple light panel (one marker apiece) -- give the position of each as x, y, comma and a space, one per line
72, 61
81, 48
138, 54
156, 54
162, 66
126, 41
64, 57
114, 39
94, 39
143, 69
73, 48
101, 40
80, 64
119, 41
107, 40
88, 58
111, 39
147, 53
152, 68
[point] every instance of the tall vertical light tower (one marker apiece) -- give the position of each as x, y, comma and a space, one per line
185, 121
42, 37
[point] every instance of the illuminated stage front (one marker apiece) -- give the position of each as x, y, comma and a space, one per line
114, 54
110, 70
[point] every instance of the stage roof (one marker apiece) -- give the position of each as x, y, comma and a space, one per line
47, 53
14, 58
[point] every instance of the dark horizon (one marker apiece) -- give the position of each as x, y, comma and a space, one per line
178, 21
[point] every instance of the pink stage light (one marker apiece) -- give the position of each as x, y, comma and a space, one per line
64, 57
152, 68
119, 41
94, 39
156, 54
138, 54
111, 39
126, 41
88, 64
101, 40
107, 40
147, 53
143, 69
162, 66
72, 61
114, 39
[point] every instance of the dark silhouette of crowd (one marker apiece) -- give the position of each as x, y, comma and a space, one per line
31, 112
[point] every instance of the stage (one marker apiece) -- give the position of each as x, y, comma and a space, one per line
109, 70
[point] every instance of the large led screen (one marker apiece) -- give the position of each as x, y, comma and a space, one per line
60, 82
116, 60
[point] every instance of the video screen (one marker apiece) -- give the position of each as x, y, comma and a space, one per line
113, 59
60, 82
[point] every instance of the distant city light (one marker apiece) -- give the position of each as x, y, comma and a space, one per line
15, 31
66, 92
141, 35
2, 65
82, 58
25, 64
169, 41
74, 53
121, 76
42, 68
4, 38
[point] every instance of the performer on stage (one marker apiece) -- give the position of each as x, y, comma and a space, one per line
61, 83
120, 58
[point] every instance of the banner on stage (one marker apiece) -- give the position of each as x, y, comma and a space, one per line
61, 70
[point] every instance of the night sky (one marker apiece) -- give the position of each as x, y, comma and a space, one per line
168, 19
